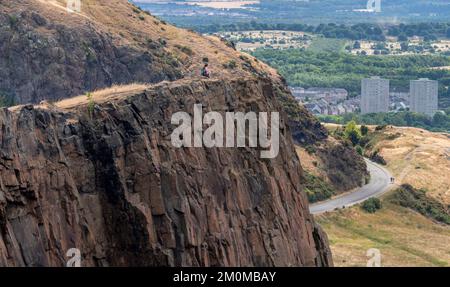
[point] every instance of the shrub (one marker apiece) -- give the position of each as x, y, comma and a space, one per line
188, 51
162, 41
364, 130
371, 205
376, 157
13, 20
244, 58
417, 200
91, 103
310, 149
352, 133
392, 137
316, 188
363, 142
230, 65
380, 128
359, 150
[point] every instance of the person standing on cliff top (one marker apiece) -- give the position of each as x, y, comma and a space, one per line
205, 71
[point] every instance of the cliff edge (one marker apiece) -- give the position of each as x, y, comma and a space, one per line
101, 175
109, 183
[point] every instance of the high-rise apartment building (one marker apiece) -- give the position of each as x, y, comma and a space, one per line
374, 95
424, 96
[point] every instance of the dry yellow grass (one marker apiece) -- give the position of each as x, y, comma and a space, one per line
103, 95
310, 162
420, 158
130, 26
417, 157
133, 27
404, 237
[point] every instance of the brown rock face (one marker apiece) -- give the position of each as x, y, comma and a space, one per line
345, 168
110, 183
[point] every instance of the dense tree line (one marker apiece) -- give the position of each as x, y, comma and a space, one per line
430, 31
439, 123
362, 31
306, 69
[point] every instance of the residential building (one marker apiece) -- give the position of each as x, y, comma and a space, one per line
424, 96
374, 95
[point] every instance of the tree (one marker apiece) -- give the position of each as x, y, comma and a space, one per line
364, 130
402, 38
430, 37
440, 120
352, 133
357, 45
380, 46
394, 31
372, 205
404, 46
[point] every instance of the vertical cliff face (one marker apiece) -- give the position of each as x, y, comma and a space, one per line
103, 176
109, 182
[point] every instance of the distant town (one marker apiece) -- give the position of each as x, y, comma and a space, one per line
375, 97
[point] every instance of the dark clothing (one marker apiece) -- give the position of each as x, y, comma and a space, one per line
205, 72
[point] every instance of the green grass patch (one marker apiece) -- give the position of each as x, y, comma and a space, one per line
320, 45
384, 240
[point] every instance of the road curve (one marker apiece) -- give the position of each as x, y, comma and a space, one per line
380, 182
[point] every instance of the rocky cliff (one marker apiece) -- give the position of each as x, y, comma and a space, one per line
101, 175
108, 182
48, 53
42, 58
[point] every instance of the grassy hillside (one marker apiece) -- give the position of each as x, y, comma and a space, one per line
404, 236
67, 54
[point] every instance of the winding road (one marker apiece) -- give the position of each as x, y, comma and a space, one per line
380, 182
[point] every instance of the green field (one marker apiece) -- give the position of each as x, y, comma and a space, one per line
321, 45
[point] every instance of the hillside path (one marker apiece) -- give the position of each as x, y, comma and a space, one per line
380, 182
